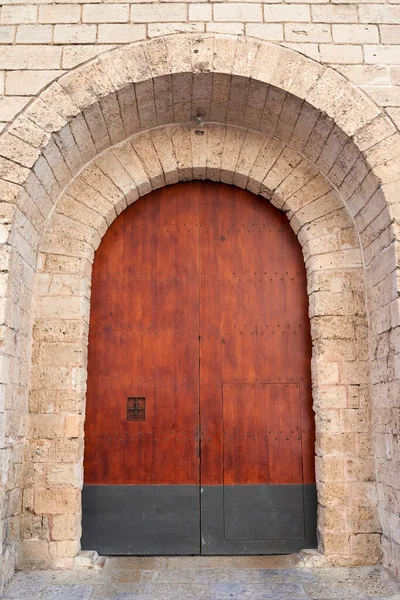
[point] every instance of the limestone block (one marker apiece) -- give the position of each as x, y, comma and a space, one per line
311, 190
236, 108
109, 197
66, 549
73, 426
329, 469
25, 56
87, 85
158, 29
183, 152
360, 469
375, 131
329, 396
77, 210
97, 127
364, 445
337, 543
304, 126
89, 196
12, 146
54, 307
65, 527
355, 420
56, 263
144, 149
325, 373
46, 426
128, 109
337, 349
366, 547
234, 140
327, 421
64, 226
224, 55
134, 167
331, 493
215, 147
284, 165
198, 140
163, 146
46, 177
82, 138
121, 33
164, 99
57, 501
12, 171
269, 153
34, 527
383, 150
57, 163
289, 64
58, 330
242, 12
110, 110
69, 450
335, 444
60, 475
221, 85
62, 354
34, 553
202, 53
387, 171
247, 157
37, 194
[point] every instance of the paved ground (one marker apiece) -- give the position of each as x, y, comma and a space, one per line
190, 578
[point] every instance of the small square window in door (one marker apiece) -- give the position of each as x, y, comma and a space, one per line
136, 408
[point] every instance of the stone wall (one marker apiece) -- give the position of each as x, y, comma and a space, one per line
276, 123
347, 511
41, 39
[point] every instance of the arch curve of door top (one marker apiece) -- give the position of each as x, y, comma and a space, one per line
202, 78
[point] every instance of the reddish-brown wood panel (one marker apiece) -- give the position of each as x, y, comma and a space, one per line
262, 433
143, 342
196, 287
254, 322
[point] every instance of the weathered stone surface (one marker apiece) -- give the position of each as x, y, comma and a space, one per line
193, 79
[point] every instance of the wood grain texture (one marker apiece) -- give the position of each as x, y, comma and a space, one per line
197, 287
254, 322
143, 341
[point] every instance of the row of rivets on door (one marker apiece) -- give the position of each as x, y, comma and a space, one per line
182, 274
173, 433
173, 224
141, 326
217, 382
265, 438
101, 387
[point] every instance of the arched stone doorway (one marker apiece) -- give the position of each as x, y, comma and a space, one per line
317, 216
335, 175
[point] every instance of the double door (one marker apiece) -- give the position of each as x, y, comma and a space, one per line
199, 433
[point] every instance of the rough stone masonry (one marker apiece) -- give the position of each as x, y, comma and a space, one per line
300, 103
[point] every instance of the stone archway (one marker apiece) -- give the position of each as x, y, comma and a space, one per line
338, 136
333, 259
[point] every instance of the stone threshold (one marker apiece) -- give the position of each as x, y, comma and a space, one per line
89, 559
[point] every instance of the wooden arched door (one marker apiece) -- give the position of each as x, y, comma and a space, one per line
199, 434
